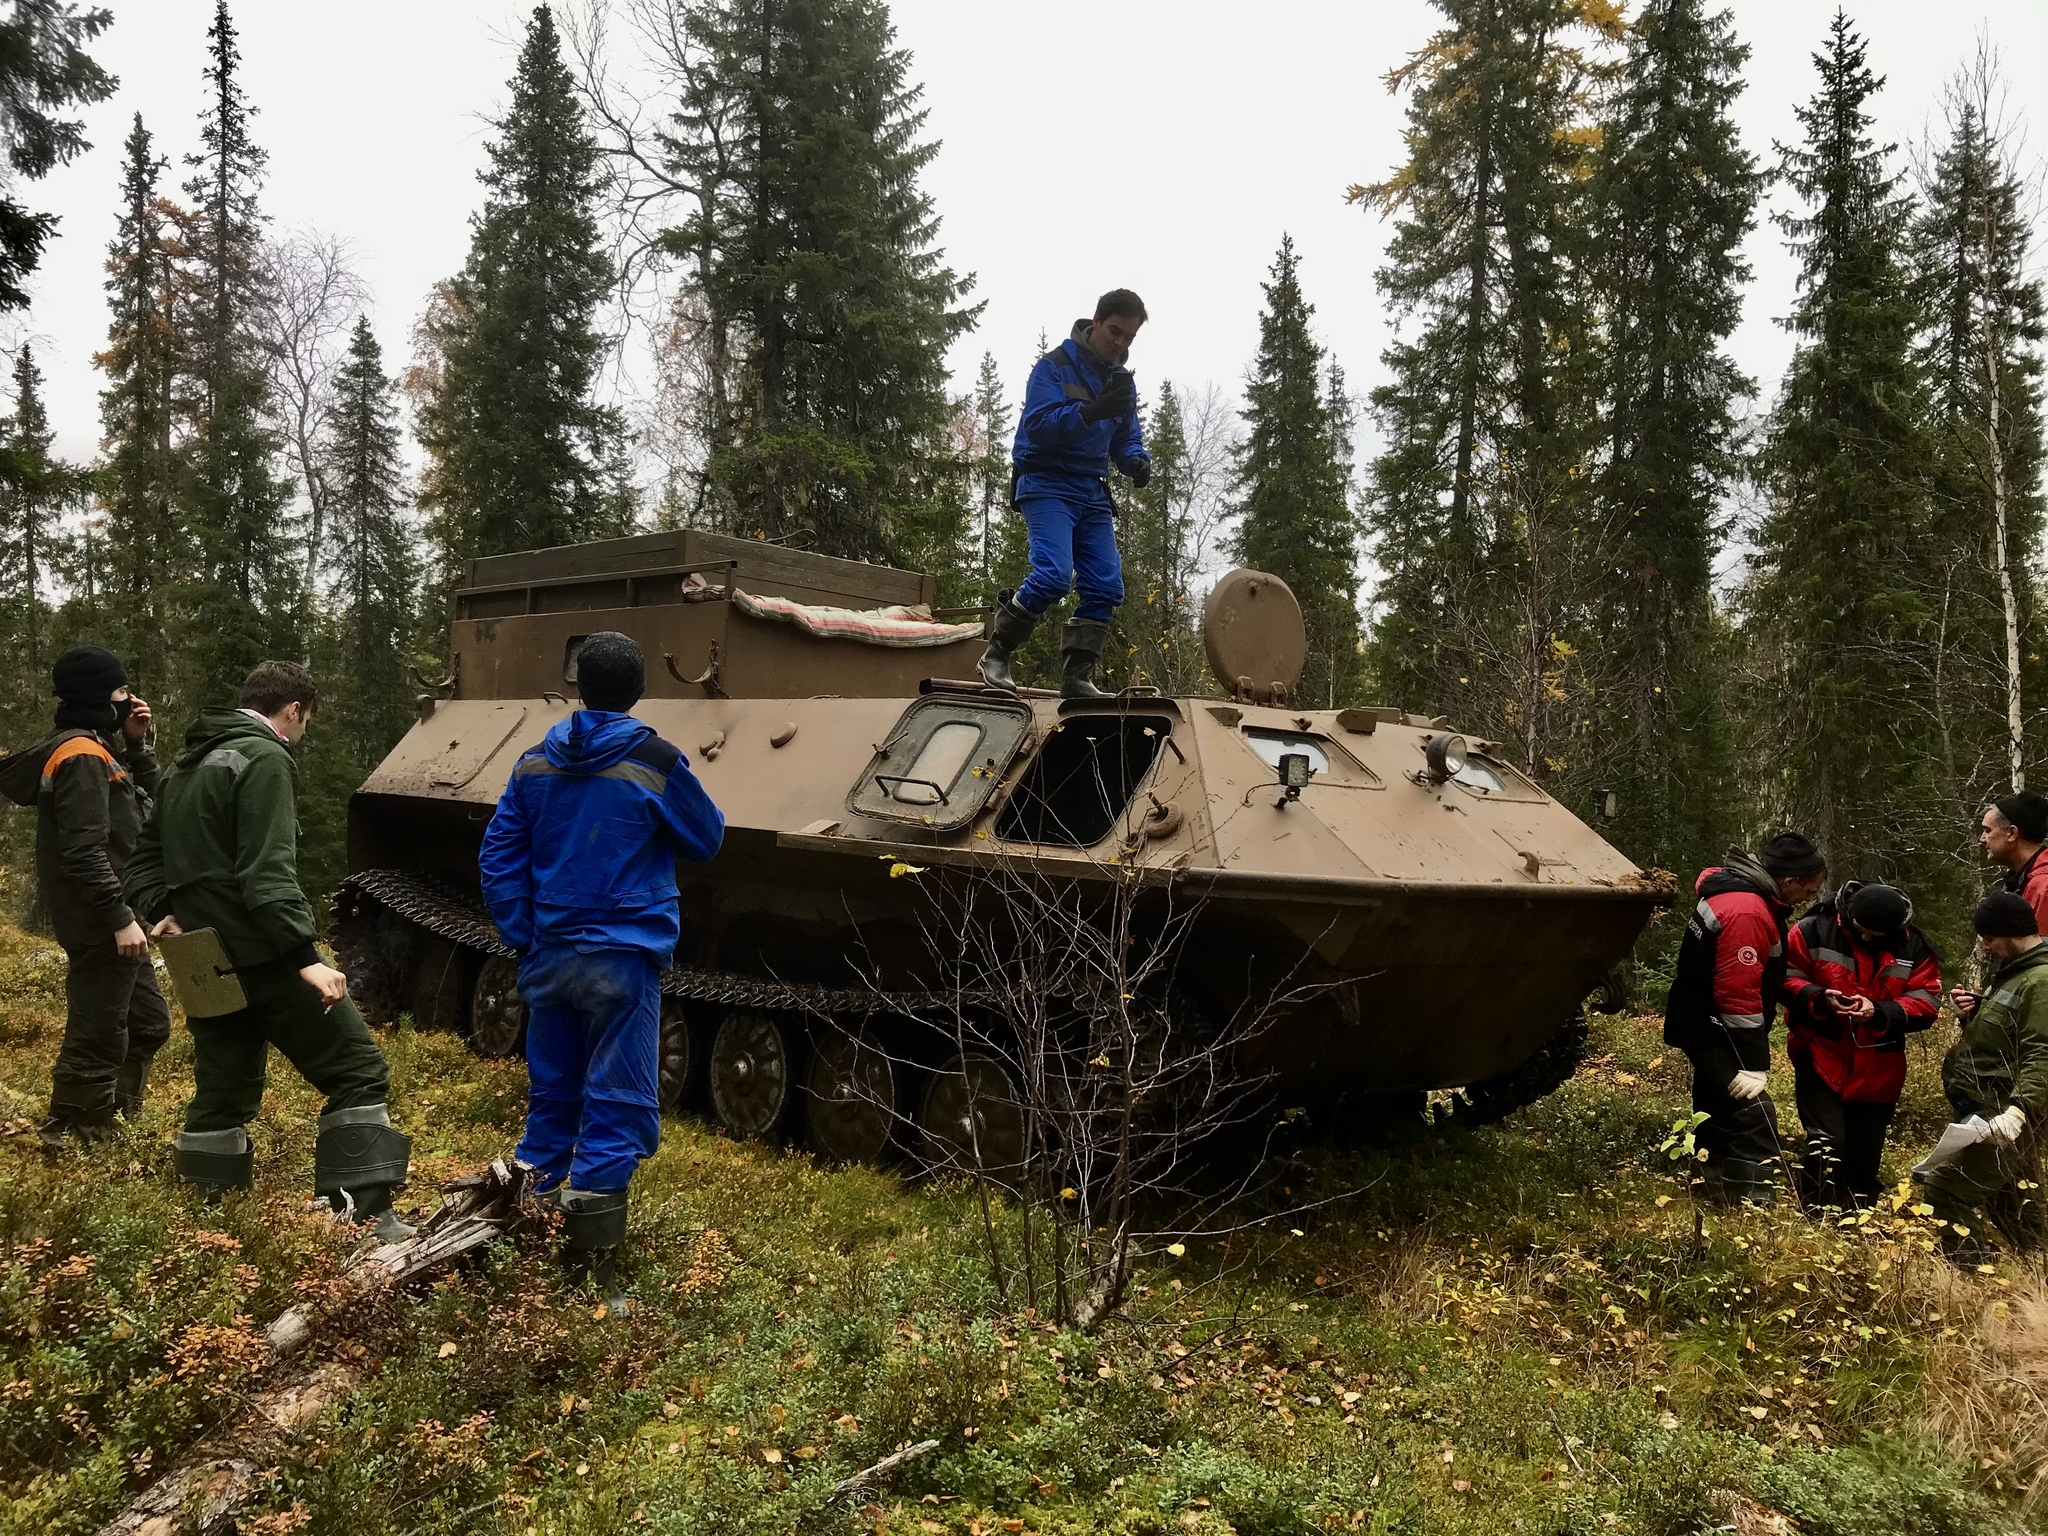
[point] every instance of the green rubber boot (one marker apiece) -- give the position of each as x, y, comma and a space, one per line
216, 1161
358, 1160
593, 1226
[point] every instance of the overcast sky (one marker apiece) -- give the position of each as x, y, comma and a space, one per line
1160, 144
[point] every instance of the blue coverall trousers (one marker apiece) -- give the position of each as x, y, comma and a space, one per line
593, 1055
1073, 544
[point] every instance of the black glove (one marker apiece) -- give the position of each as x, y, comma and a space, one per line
1140, 472
1119, 397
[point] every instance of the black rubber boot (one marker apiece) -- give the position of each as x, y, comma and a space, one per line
130, 1084
358, 1160
79, 1116
216, 1161
593, 1226
1081, 646
1748, 1183
1011, 629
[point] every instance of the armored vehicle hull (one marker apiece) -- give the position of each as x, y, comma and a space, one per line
1442, 921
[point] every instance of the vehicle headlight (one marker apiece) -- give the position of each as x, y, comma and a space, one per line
1447, 753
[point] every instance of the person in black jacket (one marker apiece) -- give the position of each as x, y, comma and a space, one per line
92, 782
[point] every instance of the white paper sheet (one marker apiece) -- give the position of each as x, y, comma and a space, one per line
1955, 1140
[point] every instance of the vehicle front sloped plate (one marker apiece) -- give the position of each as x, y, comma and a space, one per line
942, 760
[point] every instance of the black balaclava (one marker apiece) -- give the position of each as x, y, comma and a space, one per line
85, 677
1881, 908
2002, 915
611, 673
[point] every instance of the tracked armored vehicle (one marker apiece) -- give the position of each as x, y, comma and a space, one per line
1449, 916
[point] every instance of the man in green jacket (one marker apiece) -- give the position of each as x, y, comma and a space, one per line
1998, 1068
222, 853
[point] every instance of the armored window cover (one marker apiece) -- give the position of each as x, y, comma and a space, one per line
942, 761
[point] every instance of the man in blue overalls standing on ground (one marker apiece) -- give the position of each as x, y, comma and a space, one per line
1080, 418
579, 871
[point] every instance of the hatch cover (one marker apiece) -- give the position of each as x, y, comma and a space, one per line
942, 760
1252, 630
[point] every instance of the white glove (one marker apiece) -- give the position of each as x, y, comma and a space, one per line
2003, 1129
1748, 1085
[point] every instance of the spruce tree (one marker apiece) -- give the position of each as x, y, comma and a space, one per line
1482, 272
233, 501
373, 576
813, 246
989, 472
1834, 605
35, 492
1155, 641
1672, 195
44, 69
146, 555
1982, 356
520, 455
1293, 488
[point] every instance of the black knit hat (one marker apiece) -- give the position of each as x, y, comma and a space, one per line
1880, 908
611, 673
86, 674
2004, 915
2028, 813
1791, 855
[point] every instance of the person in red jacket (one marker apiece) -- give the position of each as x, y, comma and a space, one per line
2013, 833
1731, 972
1859, 978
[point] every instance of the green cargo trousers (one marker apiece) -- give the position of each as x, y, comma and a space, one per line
1985, 1184
330, 1047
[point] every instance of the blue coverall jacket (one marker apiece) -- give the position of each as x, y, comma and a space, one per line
579, 871
1061, 464
1057, 453
582, 851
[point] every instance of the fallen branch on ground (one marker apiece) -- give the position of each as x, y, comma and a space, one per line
218, 1475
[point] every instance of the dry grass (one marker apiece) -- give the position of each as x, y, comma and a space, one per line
1986, 1384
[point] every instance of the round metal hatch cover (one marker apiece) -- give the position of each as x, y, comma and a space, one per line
1251, 628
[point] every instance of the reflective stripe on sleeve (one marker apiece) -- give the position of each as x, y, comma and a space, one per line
1709, 918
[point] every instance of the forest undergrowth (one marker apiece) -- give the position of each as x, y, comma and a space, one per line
1514, 1328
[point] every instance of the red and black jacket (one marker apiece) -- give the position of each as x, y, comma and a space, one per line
1731, 964
2030, 880
1901, 973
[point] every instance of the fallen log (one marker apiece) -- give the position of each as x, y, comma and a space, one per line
203, 1490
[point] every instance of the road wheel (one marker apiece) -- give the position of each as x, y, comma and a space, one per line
971, 1106
853, 1096
754, 1089
497, 1013
683, 1052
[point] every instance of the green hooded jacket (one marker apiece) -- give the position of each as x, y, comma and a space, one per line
222, 850
2001, 1057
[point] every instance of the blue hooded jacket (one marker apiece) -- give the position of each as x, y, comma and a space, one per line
582, 850
1057, 453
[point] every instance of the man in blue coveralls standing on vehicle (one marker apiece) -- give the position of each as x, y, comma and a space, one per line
1080, 418
579, 871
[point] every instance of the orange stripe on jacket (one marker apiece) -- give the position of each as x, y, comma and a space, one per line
82, 746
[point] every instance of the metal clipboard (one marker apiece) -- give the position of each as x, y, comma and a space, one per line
201, 975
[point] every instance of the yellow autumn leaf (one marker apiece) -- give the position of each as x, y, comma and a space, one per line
446, 1349
1069, 1193
1178, 1250
1662, 1201
899, 869
771, 1456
